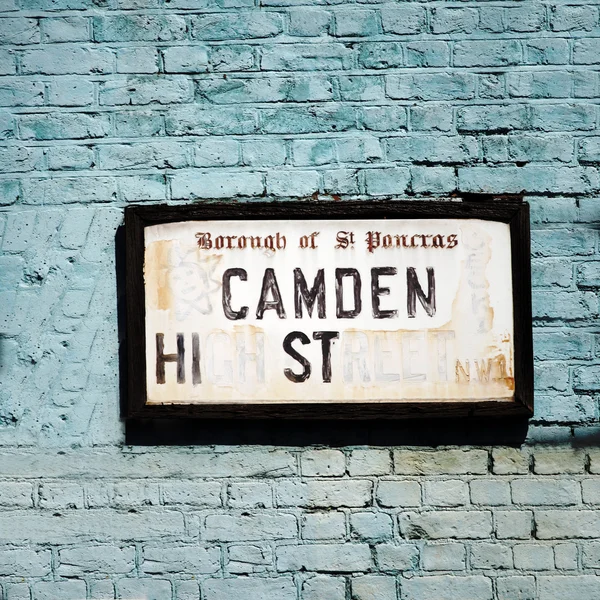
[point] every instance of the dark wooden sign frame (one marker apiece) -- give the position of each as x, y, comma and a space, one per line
513, 211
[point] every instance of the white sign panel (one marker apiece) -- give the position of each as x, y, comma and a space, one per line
328, 311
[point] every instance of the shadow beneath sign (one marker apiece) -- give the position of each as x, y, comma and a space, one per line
427, 432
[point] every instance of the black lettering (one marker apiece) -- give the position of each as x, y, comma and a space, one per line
162, 358
340, 312
233, 315
326, 337
269, 284
415, 291
196, 377
316, 294
287, 347
377, 291
452, 241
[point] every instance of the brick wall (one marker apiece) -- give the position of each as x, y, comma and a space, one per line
108, 102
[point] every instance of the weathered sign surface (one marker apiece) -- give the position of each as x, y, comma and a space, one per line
296, 311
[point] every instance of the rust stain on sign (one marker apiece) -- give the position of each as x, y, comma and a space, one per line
353, 311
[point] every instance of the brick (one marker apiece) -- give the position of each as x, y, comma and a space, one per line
380, 55
307, 22
17, 591
538, 492
249, 558
187, 590
186, 59
19, 31
572, 18
65, 29
71, 92
177, 559
66, 590
454, 20
563, 117
69, 190
427, 54
524, 19
565, 556
447, 587
444, 462
384, 118
526, 179
517, 587
333, 118
317, 494
558, 461
371, 587
586, 379
138, 28
245, 527
99, 525
250, 495
107, 559
318, 463
533, 557
232, 58
306, 57
340, 181
435, 117
19, 93
591, 491
64, 126
436, 180
323, 526
586, 587
451, 492
267, 154
509, 461
360, 88
435, 86
324, 587
490, 492
252, 24
67, 60
496, 53
137, 60
60, 495
588, 275
371, 526
585, 51
443, 557
135, 156
282, 588
557, 524
590, 556
485, 555
146, 90
552, 273
357, 23
437, 525
149, 589
192, 184
529, 148
514, 524
369, 462
404, 557
293, 183
492, 118
383, 182
328, 558
24, 563
548, 51
404, 19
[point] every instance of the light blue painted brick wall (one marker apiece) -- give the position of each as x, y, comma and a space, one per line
104, 103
